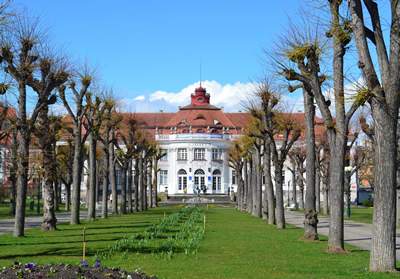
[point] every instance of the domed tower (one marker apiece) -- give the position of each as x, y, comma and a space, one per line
200, 97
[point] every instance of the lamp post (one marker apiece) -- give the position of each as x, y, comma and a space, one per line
288, 188
348, 173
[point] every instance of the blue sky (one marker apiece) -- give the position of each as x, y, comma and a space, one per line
151, 51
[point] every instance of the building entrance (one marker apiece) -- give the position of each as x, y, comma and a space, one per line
199, 179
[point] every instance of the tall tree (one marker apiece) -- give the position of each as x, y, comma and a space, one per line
382, 95
23, 56
77, 116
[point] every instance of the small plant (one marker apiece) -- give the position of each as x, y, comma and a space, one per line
368, 203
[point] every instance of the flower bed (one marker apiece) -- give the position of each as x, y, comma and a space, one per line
80, 271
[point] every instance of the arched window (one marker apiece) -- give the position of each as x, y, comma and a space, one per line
182, 180
182, 171
216, 185
216, 172
199, 131
199, 171
199, 179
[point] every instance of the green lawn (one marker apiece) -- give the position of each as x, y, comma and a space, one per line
235, 245
5, 209
359, 214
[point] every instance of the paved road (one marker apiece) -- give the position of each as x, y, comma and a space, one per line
355, 233
7, 225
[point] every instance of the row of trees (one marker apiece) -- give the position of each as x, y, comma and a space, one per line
298, 57
38, 74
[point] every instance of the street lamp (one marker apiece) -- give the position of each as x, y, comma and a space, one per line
348, 173
288, 188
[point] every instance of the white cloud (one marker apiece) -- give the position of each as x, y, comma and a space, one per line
229, 96
140, 98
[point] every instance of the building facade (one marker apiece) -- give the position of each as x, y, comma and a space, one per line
196, 141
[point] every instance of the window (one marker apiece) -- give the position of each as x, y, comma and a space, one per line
182, 180
199, 154
200, 131
234, 177
216, 181
164, 153
200, 100
118, 174
182, 154
199, 179
163, 177
216, 154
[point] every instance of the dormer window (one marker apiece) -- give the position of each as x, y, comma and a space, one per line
199, 116
200, 100
216, 122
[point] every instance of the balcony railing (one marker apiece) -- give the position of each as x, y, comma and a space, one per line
196, 136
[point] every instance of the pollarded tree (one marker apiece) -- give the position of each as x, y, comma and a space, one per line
125, 156
382, 94
77, 116
27, 64
304, 49
65, 159
236, 161
287, 126
98, 110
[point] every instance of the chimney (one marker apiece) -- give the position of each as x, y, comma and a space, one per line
161, 111
222, 108
179, 107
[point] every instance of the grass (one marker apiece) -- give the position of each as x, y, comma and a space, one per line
358, 214
5, 209
235, 245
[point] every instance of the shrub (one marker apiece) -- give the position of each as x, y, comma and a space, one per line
368, 203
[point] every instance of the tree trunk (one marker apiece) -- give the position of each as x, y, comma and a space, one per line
317, 191
294, 186
383, 247
269, 187
92, 178
22, 182
56, 195
280, 215
150, 180
113, 178
250, 189
257, 199
49, 169
77, 174
246, 186
136, 180
124, 170
13, 173
130, 208
106, 183
336, 226
310, 214
141, 183
155, 183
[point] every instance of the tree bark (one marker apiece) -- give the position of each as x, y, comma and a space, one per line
113, 178
136, 180
257, 199
269, 187
310, 214
92, 177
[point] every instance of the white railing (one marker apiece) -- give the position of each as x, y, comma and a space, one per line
196, 136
